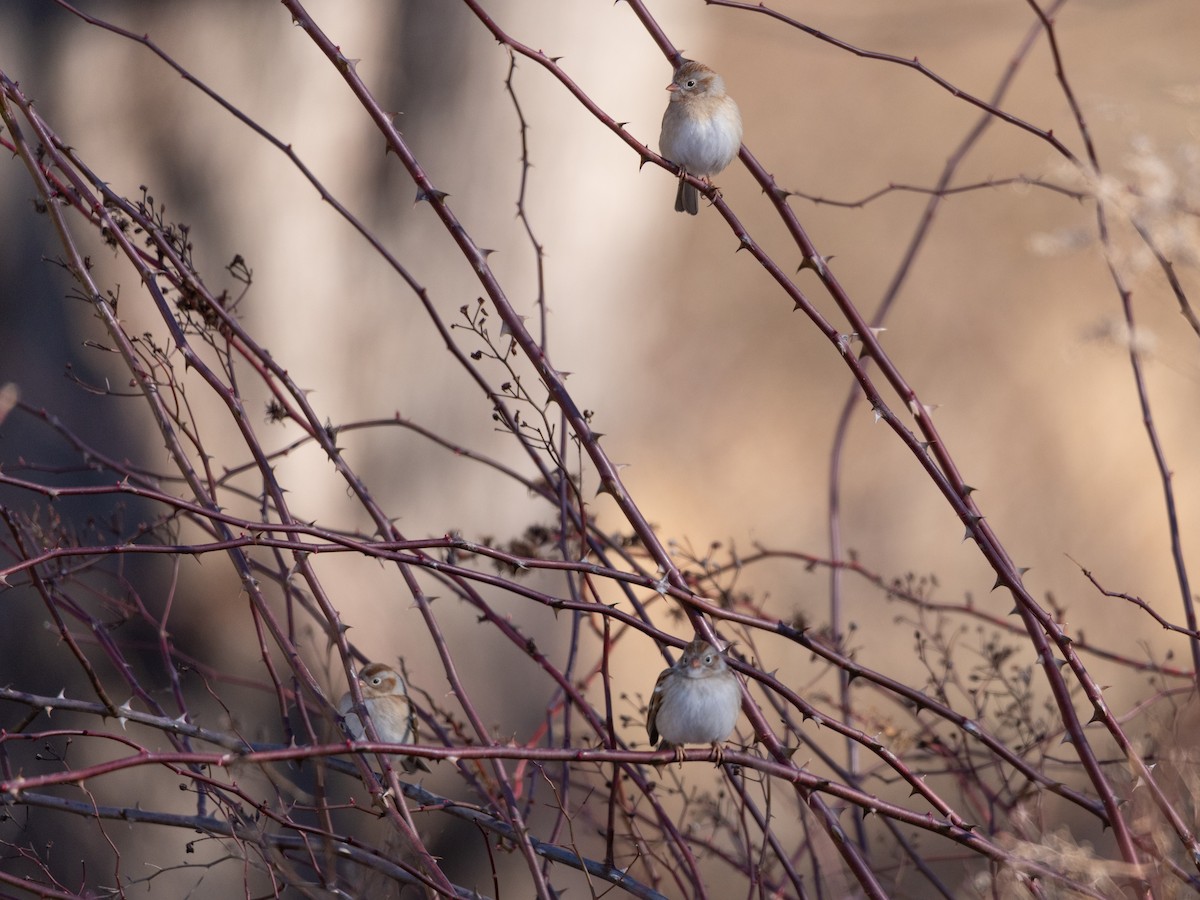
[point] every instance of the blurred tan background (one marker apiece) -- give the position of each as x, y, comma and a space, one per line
719, 399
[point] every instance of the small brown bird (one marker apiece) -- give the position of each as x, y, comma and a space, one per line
701, 129
385, 697
695, 701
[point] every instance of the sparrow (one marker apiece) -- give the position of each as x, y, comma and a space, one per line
385, 697
701, 129
695, 701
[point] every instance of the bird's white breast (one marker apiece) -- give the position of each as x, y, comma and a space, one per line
703, 713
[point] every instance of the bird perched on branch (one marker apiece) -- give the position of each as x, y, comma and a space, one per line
695, 701
701, 129
385, 697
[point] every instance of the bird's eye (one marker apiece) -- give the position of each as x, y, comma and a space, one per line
708, 659
691, 82
376, 681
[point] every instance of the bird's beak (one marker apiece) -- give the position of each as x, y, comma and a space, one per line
672, 87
